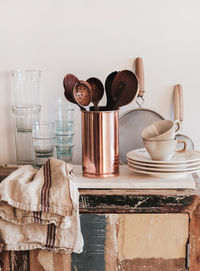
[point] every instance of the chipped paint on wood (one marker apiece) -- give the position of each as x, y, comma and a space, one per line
152, 264
62, 262
194, 238
111, 246
35, 265
92, 258
131, 201
152, 236
42, 260
19, 260
134, 203
5, 261
45, 258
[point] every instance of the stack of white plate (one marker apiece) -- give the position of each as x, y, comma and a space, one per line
183, 163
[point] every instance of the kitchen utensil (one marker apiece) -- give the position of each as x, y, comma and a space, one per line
163, 149
178, 114
124, 88
141, 155
132, 122
108, 84
100, 145
82, 93
69, 82
162, 130
97, 91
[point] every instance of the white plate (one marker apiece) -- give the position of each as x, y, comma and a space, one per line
164, 169
163, 166
162, 174
142, 155
175, 165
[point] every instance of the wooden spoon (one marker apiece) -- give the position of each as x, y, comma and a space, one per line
124, 88
108, 84
97, 91
82, 93
69, 82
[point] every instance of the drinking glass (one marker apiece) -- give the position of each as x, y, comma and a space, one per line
24, 118
64, 152
64, 119
26, 86
43, 134
64, 130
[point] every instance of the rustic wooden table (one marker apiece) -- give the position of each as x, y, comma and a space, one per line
126, 229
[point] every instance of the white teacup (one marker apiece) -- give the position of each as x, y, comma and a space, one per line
162, 130
163, 150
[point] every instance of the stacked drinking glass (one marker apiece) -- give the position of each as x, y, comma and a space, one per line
43, 141
64, 131
26, 111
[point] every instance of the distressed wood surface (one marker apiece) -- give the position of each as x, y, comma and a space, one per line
16, 260
5, 261
152, 265
135, 203
194, 237
4, 172
94, 202
152, 236
92, 258
35, 265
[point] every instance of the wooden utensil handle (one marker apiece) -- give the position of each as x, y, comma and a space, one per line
139, 70
178, 103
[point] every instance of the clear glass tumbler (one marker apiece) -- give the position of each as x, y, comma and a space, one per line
64, 120
43, 134
64, 130
24, 118
26, 86
64, 152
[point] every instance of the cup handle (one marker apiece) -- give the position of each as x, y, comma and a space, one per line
178, 124
184, 145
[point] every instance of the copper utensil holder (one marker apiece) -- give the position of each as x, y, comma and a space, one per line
100, 143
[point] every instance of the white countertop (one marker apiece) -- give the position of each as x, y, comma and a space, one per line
130, 180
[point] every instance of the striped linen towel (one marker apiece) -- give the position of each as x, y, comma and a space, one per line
39, 209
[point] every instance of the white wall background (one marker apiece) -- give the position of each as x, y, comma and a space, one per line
94, 38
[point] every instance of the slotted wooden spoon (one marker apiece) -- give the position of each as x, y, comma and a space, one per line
82, 93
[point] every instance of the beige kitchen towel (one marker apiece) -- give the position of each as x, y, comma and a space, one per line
46, 189
40, 209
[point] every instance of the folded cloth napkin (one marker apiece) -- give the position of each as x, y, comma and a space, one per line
40, 209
